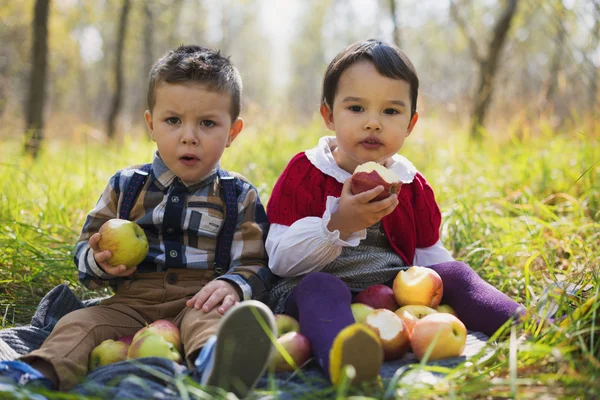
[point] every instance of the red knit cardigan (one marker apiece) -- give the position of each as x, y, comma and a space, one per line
302, 190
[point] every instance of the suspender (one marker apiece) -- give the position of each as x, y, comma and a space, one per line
225, 238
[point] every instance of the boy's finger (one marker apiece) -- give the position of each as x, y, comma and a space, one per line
228, 302
215, 298
93, 242
102, 256
201, 298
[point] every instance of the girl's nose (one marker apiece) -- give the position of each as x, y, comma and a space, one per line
373, 124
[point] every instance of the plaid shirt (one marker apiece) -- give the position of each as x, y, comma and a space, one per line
200, 220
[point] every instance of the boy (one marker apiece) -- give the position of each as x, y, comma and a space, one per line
194, 100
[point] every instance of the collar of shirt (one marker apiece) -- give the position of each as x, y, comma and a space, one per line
165, 177
321, 157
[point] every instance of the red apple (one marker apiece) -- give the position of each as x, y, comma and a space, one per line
445, 308
371, 174
377, 296
392, 332
147, 343
360, 311
286, 324
418, 286
411, 314
167, 330
293, 344
444, 332
107, 352
126, 339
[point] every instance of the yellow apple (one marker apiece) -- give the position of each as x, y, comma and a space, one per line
147, 343
445, 308
418, 286
126, 241
411, 314
446, 333
167, 330
391, 331
371, 174
360, 311
285, 324
296, 346
107, 352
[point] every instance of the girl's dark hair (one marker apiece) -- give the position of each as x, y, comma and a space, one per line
201, 65
388, 59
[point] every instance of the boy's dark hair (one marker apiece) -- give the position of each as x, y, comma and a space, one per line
201, 65
388, 59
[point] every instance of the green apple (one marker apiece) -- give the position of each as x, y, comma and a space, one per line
445, 333
126, 241
286, 324
107, 352
445, 308
147, 343
360, 311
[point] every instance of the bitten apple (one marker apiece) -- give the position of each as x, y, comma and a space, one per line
446, 333
360, 311
150, 344
392, 332
296, 346
411, 314
126, 241
371, 174
418, 286
285, 324
377, 296
167, 330
107, 352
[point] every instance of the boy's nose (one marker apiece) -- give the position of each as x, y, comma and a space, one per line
189, 137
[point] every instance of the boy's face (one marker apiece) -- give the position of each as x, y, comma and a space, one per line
191, 126
370, 116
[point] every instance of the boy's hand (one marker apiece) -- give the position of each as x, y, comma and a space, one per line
214, 293
355, 212
102, 257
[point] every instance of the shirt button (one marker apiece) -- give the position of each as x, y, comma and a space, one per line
171, 279
173, 253
170, 230
219, 270
175, 199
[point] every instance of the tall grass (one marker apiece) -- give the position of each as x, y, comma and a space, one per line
522, 211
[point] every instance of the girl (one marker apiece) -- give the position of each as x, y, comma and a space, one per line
329, 244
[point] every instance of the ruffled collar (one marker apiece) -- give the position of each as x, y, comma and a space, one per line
321, 157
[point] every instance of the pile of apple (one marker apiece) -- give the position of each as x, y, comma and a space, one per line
409, 316
159, 339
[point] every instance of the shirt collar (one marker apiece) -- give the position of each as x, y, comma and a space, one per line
165, 177
321, 157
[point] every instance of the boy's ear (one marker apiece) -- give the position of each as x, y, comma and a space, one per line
327, 117
412, 123
149, 124
234, 131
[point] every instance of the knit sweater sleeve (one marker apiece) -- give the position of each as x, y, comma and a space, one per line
297, 193
428, 218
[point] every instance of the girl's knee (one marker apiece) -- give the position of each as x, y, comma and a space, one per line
318, 283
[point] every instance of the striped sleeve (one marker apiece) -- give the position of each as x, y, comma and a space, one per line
249, 265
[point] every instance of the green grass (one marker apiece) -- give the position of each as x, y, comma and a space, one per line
523, 212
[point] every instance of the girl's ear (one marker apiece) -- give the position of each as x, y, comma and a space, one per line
149, 123
412, 123
327, 117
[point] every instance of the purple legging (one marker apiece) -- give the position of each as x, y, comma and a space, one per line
321, 303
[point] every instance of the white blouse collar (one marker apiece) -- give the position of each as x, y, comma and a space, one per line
321, 157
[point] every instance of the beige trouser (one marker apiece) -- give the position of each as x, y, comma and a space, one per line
137, 302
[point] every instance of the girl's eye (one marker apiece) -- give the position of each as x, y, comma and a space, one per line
390, 111
208, 123
355, 108
172, 120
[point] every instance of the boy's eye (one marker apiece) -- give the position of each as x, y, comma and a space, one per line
172, 120
207, 123
355, 108
390, 111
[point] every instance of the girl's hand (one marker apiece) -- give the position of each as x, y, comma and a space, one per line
355, 212
102, 257
214, 293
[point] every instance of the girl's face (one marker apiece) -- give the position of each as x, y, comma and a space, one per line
370, 116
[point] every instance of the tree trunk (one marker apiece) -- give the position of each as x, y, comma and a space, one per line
545, 98
487, 69
394, 15
37, 83
118, 94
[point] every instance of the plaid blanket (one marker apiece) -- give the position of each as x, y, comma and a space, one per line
158, 378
